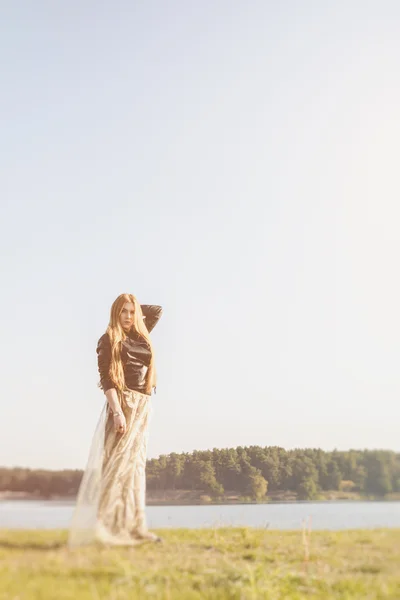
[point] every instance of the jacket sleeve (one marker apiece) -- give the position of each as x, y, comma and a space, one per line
104, 361
151, 314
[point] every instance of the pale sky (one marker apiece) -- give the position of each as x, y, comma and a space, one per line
235, 162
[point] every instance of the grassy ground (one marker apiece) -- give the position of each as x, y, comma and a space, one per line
234, 563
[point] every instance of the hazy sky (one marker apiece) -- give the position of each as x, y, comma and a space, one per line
235, 162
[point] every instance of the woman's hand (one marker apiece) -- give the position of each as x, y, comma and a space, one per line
120, 424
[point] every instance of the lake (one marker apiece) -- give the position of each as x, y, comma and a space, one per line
47, 514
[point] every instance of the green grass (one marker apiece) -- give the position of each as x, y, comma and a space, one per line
220, 563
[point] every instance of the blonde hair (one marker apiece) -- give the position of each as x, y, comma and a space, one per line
117, 335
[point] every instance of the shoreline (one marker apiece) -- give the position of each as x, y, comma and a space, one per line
194, 500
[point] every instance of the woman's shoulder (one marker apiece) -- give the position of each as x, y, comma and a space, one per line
104, 341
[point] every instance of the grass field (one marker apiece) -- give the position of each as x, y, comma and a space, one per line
234, 563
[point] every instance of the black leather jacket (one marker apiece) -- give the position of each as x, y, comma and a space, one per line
135, 354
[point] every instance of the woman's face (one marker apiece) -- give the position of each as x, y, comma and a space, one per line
126, 316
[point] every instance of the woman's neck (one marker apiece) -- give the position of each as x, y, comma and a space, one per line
131, 332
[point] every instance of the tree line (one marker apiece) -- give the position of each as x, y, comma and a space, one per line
251, 471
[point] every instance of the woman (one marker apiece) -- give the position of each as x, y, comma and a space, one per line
110, 505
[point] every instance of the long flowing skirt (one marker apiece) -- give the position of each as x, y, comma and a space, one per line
110, 505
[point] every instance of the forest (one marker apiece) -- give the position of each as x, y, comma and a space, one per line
253, 471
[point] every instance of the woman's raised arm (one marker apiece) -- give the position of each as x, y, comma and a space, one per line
151, 314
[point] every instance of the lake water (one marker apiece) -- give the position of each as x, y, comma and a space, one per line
32, 514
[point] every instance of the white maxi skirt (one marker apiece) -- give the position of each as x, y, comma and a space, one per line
111, 501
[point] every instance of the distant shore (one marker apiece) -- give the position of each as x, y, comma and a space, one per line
189, 497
